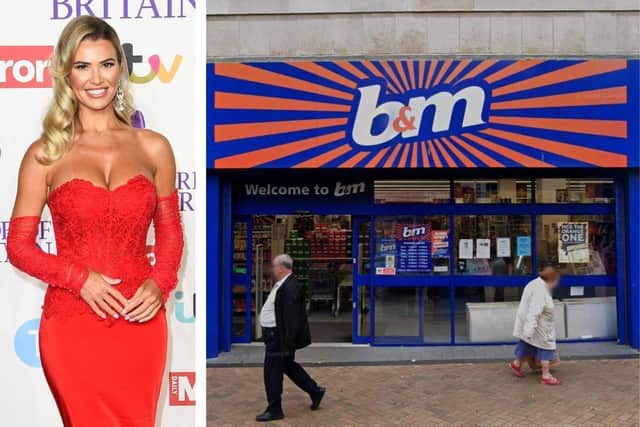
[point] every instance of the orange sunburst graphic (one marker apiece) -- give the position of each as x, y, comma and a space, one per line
345, 114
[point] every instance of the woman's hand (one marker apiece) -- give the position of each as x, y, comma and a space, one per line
145, 303
102, 297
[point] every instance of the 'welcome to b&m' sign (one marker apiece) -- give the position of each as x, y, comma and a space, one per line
424, 114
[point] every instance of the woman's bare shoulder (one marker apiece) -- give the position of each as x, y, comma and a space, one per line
35, 149
151, 140
34, 156
34, 173
155, 145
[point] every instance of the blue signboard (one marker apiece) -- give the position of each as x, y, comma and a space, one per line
414, 248
542, 113
348, 190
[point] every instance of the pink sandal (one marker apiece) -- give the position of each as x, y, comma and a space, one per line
516, 370
550, 381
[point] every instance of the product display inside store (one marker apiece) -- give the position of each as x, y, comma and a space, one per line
321, 248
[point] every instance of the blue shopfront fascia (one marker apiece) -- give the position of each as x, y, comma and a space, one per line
231, 207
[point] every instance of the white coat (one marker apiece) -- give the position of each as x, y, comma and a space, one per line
534, 320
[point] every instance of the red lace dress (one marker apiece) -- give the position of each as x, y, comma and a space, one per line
102, 372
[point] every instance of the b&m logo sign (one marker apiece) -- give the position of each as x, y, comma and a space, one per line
377, 122
424, 114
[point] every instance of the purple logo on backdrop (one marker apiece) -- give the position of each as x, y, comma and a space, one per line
137, 119
186, 184
122, 9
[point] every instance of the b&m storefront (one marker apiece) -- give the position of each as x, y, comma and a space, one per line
417, 198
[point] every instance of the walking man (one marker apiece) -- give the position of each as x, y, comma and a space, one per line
285, 329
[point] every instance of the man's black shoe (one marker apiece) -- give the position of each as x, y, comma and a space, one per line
269, 416
315, 401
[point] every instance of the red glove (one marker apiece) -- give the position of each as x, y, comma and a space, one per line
168, 245
25, 255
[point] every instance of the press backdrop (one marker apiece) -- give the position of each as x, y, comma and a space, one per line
159, 40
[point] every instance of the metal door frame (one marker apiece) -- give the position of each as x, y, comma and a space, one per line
360, 279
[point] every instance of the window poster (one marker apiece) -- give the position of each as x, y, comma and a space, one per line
477, 267
483, 248
523, 246
439, 244
413, 248
385, 271
573, 242
465, 250
386, 257
503, 247
576, 291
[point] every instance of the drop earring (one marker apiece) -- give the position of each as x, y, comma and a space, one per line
119, 101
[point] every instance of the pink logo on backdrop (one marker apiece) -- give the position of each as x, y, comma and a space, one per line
25, 66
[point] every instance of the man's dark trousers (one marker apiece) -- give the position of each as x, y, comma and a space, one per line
276, 364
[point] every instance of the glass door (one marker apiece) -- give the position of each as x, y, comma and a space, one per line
265, 243
242, 306
250, 276
410, 279
361, 289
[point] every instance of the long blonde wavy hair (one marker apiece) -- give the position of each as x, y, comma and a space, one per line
61, 121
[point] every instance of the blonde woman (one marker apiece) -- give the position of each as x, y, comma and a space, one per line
535, 326
103, 332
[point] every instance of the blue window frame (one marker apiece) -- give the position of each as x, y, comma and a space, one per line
456, 282
452, 282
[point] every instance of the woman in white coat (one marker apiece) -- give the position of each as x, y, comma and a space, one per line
535, 326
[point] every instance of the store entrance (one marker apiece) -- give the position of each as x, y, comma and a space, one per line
322, 248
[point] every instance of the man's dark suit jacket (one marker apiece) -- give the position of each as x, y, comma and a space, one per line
291, 316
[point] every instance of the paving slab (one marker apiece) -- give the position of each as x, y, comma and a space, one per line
593, 393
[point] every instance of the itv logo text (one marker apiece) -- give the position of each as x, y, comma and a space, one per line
156, 67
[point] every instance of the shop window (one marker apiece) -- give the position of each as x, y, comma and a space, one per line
493, 245
239, 289
411, 245
411, 191
239, 307
486, 313
577, 244
590, 312
436, 315
573, 190
397, 312
493, 191
240, 248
